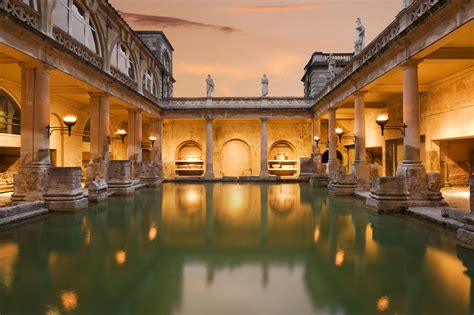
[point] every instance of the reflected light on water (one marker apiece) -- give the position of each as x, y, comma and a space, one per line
69, 300
282, 198
317, 233
152, 232
120, 257
383, 303
8, 257
339, 260
190, 198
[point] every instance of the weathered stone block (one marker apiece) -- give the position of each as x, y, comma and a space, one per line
306, 165
150, 174
465, 238
388, 194
434, 184
361, 171
416, 180
98, 190
342, 185
120, 182
319, 180
471, 185
30, 183
63, 190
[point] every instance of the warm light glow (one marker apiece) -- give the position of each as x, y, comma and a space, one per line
339, 260
317, 233
383, 304
152, 138
152, 232
70, 120
120, 257
316, 138
339, 131
8, 257
69, 300
382, 118
121, 132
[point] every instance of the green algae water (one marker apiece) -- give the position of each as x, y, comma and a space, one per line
232, 249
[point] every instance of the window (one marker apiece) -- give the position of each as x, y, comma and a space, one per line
149, 82
75, 21
10, 115
122, 60
31, 3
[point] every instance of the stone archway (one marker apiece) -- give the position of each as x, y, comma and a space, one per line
236, 158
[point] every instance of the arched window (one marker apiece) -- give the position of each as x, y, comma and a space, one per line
122, 60
31, 3
10, 115
75, 21
149, 82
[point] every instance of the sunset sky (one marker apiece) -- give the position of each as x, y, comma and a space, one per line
238, 40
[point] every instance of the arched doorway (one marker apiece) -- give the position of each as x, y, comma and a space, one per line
325, 157
236, 159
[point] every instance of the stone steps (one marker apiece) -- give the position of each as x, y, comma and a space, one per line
22, 211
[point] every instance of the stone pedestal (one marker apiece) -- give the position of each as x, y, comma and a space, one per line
30, 183
471, 189
120, 182
465, 237
361, 171
97, 180
415, 175
151, 174
388, 194
317, 162
63, 189
342, 185
434, 184
319, 180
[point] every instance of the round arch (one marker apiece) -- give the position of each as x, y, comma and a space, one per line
325, 156
285, 149
189, 150
10, 113
236, 158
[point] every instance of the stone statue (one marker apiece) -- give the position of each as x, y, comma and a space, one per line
264, 85
209, 85
360, 36
331, 66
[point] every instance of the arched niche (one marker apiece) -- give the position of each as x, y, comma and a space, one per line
236, 158
189, 159
10, 114
282, 159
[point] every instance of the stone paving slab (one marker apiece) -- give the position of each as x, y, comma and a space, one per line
22, 211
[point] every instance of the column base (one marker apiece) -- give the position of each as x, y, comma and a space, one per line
342, 185
361, 171
98, 190
333, 167
97, 174
151, 174
64, 191
317, 163
388, 194
319, 180
264, 174
30, 183
415, 175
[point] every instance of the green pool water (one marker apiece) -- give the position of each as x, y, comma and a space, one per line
232, 249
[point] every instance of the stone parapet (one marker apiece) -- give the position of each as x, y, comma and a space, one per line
22, 211
63, 190
120, 182
342, 185
388, 194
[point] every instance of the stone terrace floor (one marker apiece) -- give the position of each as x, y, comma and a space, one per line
457, 197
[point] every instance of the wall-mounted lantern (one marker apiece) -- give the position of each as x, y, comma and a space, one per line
152, 140
120, 133
382, 121
317, 139
69, 121
340, 134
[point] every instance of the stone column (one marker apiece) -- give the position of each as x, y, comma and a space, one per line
156, 127
30, 182
360, 168
443, 161
411, 167
263, 149
97, 170
333, 165
134, 139
316, 156
209, 149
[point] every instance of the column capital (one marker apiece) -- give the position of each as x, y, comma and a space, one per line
359, 93
412, 63
134, 110
35, 65
98, 94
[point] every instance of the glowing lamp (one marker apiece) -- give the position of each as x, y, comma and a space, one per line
152, 140
317, 139
122, 133
382, 121
69, 121
339, 133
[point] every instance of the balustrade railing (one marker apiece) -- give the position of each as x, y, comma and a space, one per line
21, 11
238, 102
122, 77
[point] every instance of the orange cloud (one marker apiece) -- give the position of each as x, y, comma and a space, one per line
280, 7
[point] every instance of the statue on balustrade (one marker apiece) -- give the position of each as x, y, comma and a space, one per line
264, 85
331, 67
209, 85
360, 36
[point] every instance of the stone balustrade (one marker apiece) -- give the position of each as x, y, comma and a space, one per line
22, 12
238, 103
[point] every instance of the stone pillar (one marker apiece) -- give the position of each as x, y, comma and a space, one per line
333, 165
209, 149
360, 168
263, 149
316, 156
30, 182
443, 161
134, 139
152, 170
411, 167
97, 170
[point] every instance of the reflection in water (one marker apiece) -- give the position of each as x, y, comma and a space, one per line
383, 303
232, 248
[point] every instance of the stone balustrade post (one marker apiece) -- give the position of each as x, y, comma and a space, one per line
263, 149
209, 149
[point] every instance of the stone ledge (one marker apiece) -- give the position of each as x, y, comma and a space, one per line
22, 211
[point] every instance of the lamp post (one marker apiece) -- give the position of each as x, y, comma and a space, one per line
382, 121
68, 120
